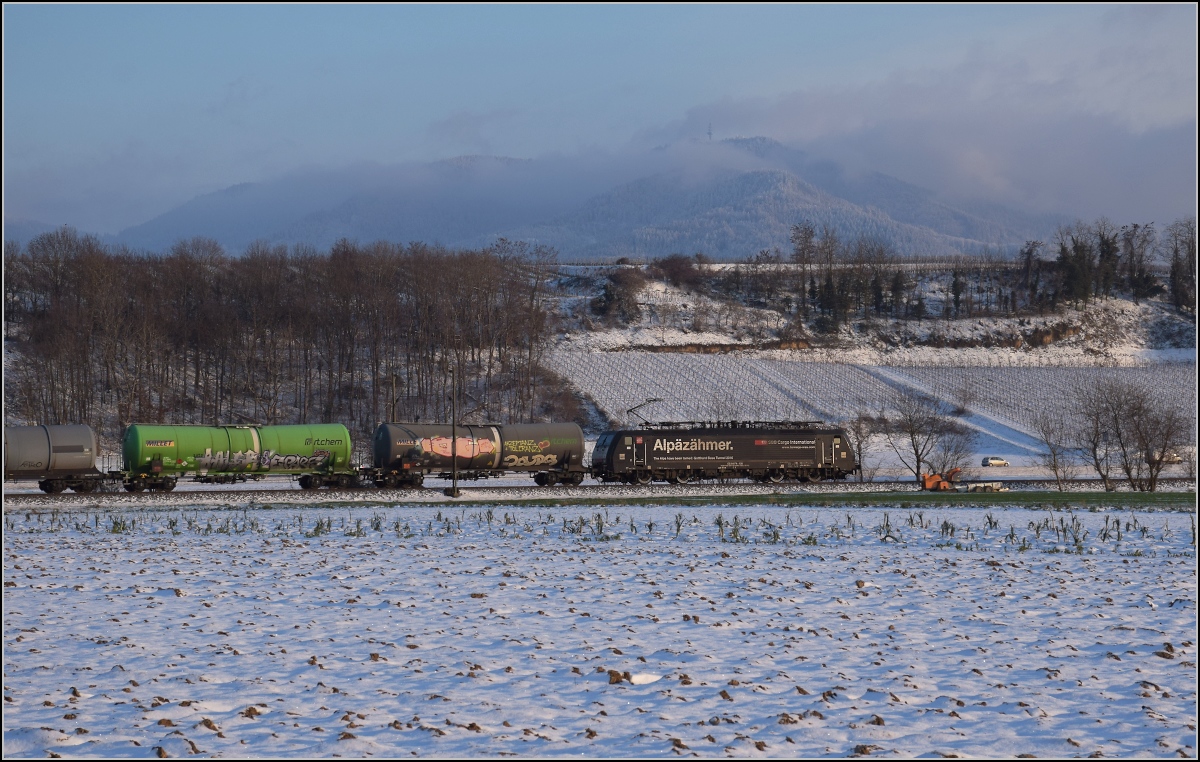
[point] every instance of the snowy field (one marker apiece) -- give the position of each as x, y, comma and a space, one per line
645, 632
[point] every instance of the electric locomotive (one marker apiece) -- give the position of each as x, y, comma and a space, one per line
679, 453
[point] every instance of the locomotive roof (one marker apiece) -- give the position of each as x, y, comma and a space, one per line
748, 425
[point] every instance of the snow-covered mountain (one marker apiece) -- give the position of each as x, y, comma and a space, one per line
728, 200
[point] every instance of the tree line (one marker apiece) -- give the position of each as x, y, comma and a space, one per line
358, 334
825, 282
1121, 430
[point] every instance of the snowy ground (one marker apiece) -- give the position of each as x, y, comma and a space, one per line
395, 631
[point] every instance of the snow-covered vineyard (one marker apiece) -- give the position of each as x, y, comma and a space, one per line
717, 631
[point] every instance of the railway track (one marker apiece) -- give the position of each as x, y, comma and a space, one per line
505, 493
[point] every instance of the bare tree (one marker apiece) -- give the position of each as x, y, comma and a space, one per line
954, 447
1159, 430
1181, 248
965, 396
1091, 435
860, 432
1060, 457
1131, 427
914, 428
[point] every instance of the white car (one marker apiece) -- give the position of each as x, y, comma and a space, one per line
995, 461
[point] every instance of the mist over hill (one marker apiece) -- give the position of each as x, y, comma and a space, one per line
728, 199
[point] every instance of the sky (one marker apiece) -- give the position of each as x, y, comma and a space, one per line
114, 114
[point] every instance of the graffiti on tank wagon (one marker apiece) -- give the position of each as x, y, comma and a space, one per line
536, 456
269, 460
265, 461
526, 445
467, 447
522, 461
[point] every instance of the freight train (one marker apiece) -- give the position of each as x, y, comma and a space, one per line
155, 457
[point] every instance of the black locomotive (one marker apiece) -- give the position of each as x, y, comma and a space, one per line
679, 453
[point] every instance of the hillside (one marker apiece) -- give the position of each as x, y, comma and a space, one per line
700, 357
727, 215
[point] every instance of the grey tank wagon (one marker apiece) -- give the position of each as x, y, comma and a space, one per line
58, 457
679, 453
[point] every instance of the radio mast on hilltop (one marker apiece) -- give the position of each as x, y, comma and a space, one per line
710, 132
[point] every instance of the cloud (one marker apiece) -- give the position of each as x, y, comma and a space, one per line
467, 131
102, 195
1095, 120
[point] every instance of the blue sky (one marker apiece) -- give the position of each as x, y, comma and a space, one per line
116, 113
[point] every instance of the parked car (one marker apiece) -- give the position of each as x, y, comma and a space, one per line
994, 461
1168, 458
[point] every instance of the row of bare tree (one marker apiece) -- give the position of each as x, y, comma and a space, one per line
1117, 429
1120, 429
827, 282
356, 335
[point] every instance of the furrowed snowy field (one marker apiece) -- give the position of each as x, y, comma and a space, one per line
627, 631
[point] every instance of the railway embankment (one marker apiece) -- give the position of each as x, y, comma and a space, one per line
1172, 494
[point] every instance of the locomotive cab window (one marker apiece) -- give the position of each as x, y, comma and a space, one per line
602, 445
628, 441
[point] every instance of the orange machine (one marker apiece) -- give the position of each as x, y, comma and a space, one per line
938, 482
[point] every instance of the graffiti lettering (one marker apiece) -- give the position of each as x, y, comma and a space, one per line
524, 461
525, 445
265, 461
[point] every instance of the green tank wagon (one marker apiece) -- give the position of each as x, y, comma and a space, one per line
155, 457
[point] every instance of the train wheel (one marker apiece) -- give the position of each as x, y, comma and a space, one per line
84, 487
306, 482
642, 478
135, 485
681, 477
541, 479
345, 481
167, 485
573, 480
389, 482
52, 486
814, 477
774, 476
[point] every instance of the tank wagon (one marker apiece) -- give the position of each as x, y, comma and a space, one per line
156, 456
59, 457
679, 453
405, 453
